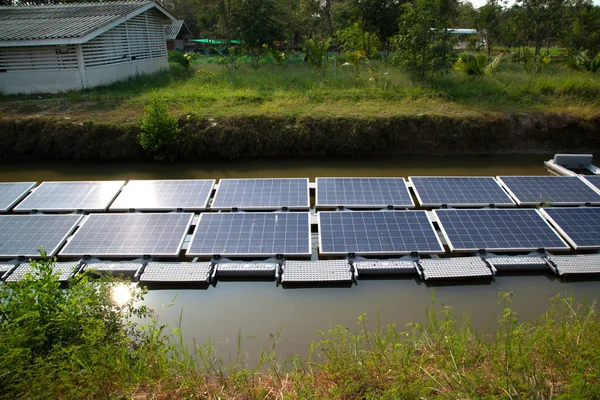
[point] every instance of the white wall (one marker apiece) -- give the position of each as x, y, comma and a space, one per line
39, 81
105, 74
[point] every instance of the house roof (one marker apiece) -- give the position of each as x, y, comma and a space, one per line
172, 31
66, 23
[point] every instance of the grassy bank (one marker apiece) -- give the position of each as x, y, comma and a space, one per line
79, 344
211, 90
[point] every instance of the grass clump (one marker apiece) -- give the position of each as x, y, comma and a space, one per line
77, 343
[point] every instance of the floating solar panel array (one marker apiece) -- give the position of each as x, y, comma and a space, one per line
580, 225
363, 193
65, 270
24, 235
129, 235
12, 192
316, 271
176, 272
377, 233
558, 190
262, 194
251, 234
71, 196
164, 195
498, 230
470, 191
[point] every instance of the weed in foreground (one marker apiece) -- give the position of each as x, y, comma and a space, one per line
77, 343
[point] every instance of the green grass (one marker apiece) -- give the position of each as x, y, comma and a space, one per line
75, 343
297, 90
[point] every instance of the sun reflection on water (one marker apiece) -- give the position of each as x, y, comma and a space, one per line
121, 294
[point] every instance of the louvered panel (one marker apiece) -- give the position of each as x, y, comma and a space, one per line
38, 58
140, 38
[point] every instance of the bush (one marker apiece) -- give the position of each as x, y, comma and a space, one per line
55, 341
183, 59
159, 130
476, 64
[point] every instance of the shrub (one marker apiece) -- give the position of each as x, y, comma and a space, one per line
159, 130
55, 341
183, 59
315, 51
477, 64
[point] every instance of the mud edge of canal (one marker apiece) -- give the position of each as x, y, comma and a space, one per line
42, 138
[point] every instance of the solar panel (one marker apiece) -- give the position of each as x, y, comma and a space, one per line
363, 192
580, 226
64, 270
12, 192
164, 195
467, 191
262, 194
251, 234
22, 235
498, 229
377, 233
129, 235
594, 180
565, 190
71, 196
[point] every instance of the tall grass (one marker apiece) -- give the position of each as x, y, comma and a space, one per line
556, 356
296, 90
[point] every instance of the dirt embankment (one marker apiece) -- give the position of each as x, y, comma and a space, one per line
265, 136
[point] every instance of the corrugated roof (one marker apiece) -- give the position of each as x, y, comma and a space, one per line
75, 20
171, 31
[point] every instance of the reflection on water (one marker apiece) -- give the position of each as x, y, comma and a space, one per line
260, 309
121, 294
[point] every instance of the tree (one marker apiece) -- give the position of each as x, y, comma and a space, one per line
489, 22
256, 24
584, 33
540, 20
424, 44
377, 16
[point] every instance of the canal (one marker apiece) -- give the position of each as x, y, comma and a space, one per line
261, 312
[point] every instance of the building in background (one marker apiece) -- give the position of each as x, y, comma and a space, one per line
56, 48
177, 35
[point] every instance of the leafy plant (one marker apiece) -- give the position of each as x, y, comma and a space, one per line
159, 130
315, 51
356, 38
183, 59
477, 64
585, 61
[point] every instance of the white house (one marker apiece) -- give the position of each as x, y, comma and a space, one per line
49, 49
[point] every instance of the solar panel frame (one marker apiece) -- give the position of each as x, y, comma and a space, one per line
569, 232
228, 253
10, 198
45, 189
82, 234
383, 252
222, 188
444, 229
124, 202
510, 202
505, 182
320, 183
30, 252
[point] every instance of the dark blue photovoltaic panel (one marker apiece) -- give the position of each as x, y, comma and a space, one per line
495, 229
363, 192
377, 233
435, 191
163, 195
594, 180
12, 192
261, 194
71, 196
567, 190
251, 234
22, 235
581, 225
130, 235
